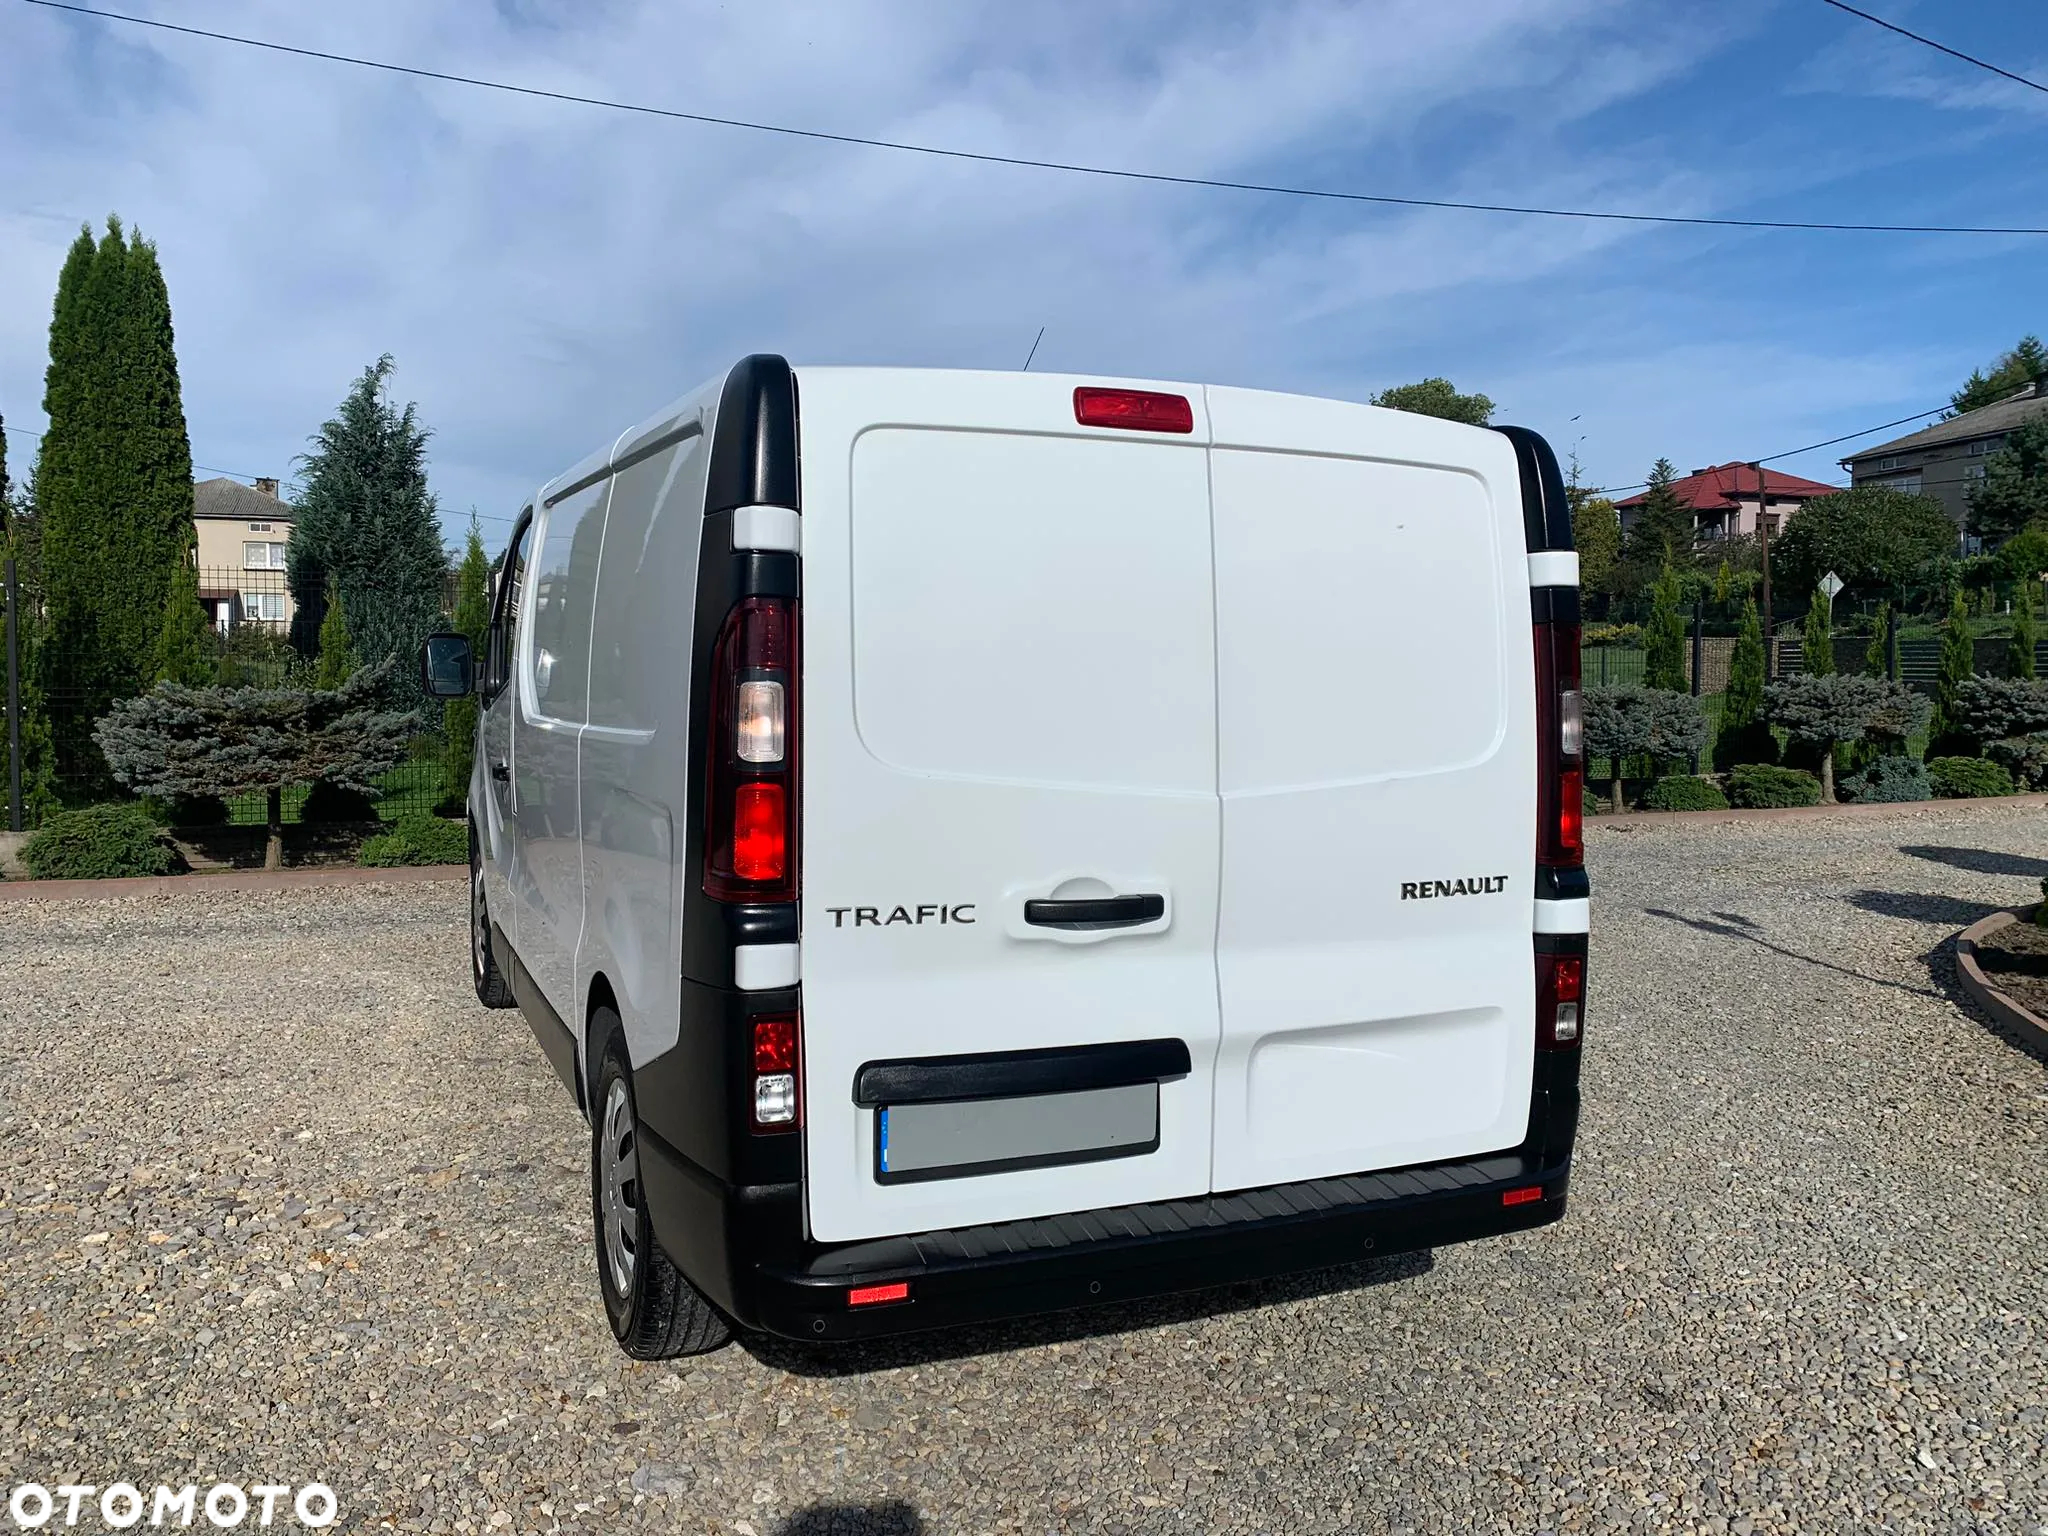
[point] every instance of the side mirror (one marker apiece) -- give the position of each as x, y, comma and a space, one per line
447, 671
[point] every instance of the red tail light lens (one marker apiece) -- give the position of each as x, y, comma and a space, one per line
877, 1295
1560, 1001
1560, 748
1135, 410
750, 843
777, 1098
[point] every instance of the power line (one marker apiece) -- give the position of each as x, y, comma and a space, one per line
232, 474
1070, 167
1792, 453
1928, 42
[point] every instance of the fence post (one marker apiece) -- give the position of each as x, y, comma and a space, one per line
13, 706
1891, 640
1699, 621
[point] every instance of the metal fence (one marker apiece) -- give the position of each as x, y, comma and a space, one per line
250, 613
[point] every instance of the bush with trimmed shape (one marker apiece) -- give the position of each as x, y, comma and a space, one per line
1761, 786
2024, 757
101, 842
417, 840
1685, 792
1967, 778
1889, 781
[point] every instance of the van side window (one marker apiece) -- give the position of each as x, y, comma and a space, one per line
564, 596
498, 645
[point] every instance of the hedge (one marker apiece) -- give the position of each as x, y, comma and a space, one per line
1685, 792
1967, 778
101, 842
417, 840
1760, 786
1888, 781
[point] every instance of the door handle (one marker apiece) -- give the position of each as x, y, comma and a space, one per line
501, 770
1095, 912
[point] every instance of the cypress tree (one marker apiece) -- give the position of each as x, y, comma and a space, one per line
2019, 651
1957, 663
338, 661
1744, 738
1664, 642
472, 616
368, 523
1817, 641
1877, 659
184, 643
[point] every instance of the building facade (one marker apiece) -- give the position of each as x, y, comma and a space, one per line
1725, 501
242, 533
1943, 461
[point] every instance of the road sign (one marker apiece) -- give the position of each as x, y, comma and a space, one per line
1831, 584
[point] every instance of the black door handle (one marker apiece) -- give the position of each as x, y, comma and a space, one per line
1096, 912
501, 770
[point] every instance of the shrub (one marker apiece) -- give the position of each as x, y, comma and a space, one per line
1889, 781
1989, 708
1825, 710
1614, 634
2024, 757
1622, 723
333, 802
1685, 792
1968, 778
1593, 804
101, 842
417, 840
1759, 786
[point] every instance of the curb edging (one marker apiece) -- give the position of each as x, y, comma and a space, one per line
238, 880
1803, 812
2023, 1022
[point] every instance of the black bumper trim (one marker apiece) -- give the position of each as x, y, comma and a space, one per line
1014, 1269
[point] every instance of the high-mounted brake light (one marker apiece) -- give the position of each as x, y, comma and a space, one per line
1135, 410
778, 1073
750, 843
1560, 748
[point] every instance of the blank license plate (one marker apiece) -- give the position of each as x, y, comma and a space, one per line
975, 1136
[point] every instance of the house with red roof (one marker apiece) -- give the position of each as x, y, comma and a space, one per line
1725, 502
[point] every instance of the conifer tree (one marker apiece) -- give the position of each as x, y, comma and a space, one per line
1817, 640
184, 643
1662, 533
472, 616
1957, 662
2019, 651
1664, 639
1744, 737
368, 523
1877, 659
338, 660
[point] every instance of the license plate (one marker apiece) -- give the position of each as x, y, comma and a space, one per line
962, 1138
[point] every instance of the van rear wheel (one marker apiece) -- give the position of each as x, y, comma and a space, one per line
655, 1313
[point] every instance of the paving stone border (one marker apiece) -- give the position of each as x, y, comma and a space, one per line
2021, 1020
238, 880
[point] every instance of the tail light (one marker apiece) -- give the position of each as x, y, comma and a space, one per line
1560, 1001
750, 846
778, 1073
1135, 410
1560, 748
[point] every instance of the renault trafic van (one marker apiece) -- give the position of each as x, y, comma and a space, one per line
985, 843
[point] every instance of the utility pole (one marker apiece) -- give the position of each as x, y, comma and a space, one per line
1699, 626
1763, 533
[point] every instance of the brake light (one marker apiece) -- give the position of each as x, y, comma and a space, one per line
1560, 748
778, 1073
1135, 410
1560, 1001
750, 843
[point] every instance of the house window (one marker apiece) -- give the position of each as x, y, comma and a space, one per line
1973, 471
1984, 445
1907, 483
265, 606
259, 527
261, 555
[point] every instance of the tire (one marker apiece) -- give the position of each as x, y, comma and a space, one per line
655, 1313
492, 990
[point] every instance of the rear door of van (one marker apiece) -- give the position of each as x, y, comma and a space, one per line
1376, 729
1011, 828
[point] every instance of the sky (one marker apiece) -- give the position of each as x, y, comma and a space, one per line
546, 273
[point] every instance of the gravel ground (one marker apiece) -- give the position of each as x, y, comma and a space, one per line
279, 1202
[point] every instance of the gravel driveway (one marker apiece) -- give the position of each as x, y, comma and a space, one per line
279, 1203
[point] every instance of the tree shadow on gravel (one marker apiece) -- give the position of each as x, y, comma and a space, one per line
1729, 925
1924, 907
893, 1518
1086, 1323
1981, 861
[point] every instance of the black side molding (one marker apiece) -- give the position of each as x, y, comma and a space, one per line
1546, 513
753, 442
1017, 1074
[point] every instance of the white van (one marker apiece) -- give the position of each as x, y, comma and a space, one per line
986, 843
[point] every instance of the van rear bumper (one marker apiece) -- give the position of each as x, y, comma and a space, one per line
1013, 1269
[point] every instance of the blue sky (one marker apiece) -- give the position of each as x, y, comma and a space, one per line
547, 273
